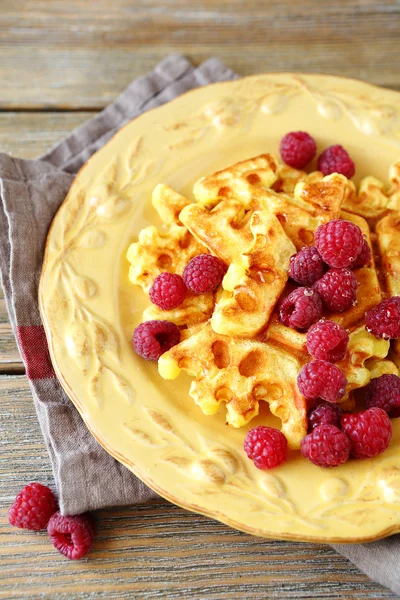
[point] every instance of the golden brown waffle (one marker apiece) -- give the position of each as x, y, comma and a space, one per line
254, 215
315, 199
241, 374
257, 251
167, 250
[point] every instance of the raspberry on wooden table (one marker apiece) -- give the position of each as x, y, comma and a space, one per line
72, 536
297, 149
363, 259
327, 340
383, 321
204, 273
335, 159
383, 392
324, 414
337, 289
266, 446
306, 267
369, 432
168, 291
326, 446
321, 379
33, 507
339, 242
300, 308
153, 338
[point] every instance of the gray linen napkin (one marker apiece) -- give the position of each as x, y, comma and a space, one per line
31, 191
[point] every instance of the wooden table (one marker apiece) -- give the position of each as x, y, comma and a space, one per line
61, 61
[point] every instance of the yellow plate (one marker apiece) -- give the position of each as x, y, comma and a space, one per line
90, 309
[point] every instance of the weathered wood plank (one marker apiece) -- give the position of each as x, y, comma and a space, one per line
79, 54
155, 550
28, 135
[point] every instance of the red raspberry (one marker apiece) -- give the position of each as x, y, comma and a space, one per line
335, 159
297, 149
324, 414
300, 308
168, 291
306, 267
337, 289
383, 321
339, 242
153, 338
203, 273
266, 446
321, 379
327, 340
326, 446
33, 507
383, 392
72, 536
369, 431
363, 259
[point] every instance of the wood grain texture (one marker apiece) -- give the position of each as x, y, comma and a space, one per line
154, 550
10, 360
79, 54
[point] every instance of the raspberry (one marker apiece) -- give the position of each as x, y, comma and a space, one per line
327, 340
203, 273
337, 289
369, 431
324, 414
306, 266
363, 259
33, 507
72, 536
300, 308
339, 242
266, 446
326, 446
383, 321
321, 379
153, 338
168, 291
383, 392
297, 149
335, 159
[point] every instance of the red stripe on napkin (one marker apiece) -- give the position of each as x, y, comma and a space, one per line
35, 352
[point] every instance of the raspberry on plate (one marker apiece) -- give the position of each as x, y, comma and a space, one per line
266, 446
324, 414
327, 340
326, 446
369, 431
335, 159
306, 267
168, 291
72, 536
153, 338
33, 507
383, 321
383, 392
337, 289
363, 259
321, 379
339, 242
297, 149
204, 273
300, 308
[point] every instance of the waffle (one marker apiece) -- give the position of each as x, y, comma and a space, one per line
240, 373
254, 215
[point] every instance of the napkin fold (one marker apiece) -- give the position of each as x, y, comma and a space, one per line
31, 191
